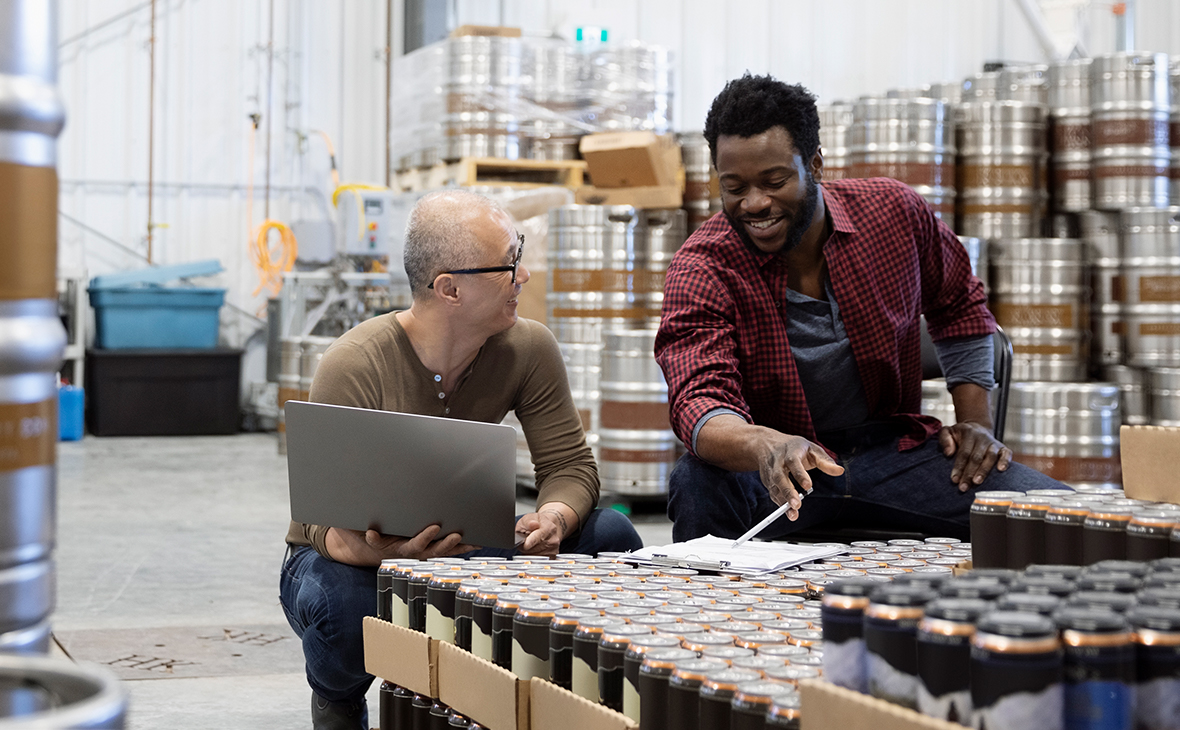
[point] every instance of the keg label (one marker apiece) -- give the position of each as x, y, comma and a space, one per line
1151, 132
28, 232
1159, 329
1034, 315
910, 173
625, 415
1075, 468
638, 456
1105, 171
1062, 175
1067, 137
605, 313
997, 176
28, 434
1046, 349
836, 173
1159, 289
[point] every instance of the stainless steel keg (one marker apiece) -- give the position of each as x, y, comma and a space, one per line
835, 132
977, 253
629, 86
983, 86
1165, 396
483, 90
32, 338
290, 365
662, 231
937, 401
911, 140
1174, 129
1024, 83
1150, 286
1100, 232
1001, 172
950, 92
1069, 431
637, 448
1132, 149
552, 68
700, 179
1133, 393
524, 459
312, 350
1070, 154
39, 693
29, 640
1039, 296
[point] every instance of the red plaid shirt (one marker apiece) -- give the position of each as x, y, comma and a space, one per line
723, 343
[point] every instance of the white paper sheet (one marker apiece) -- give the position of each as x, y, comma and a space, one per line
717, 553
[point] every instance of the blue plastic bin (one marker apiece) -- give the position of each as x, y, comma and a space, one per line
71, 401
155, 317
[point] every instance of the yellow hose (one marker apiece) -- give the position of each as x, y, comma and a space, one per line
270, 271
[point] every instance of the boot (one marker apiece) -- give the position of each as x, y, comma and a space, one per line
327, 715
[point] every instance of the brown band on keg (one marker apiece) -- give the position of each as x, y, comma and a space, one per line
997, 176
1063, 175
593, 280
1105, 171
1150, 637
1001, 208
1034, 315
637, 456
910, 173
1075, 468
1069, 637
1118, 327
631, 415
607, 313
28, 232
286, 394
943, 627
1158, 329
1174, 133
1012, 645
835, 173
1046, 349
28, 434
648, 282
1159, 288
305, 395
1148, 132
696, 190
893, 613
1067, 137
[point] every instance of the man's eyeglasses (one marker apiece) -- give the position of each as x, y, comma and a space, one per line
491, 269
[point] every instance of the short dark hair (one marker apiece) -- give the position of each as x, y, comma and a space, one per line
753, 104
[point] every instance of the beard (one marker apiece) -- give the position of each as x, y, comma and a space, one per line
800, 222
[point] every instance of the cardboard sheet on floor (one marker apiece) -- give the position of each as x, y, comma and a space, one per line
827, 706
1149, 455
488, 694
553, 707
406, 658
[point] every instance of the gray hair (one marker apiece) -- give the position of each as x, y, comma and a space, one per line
438, 237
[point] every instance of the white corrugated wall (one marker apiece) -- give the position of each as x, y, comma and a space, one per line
329, 74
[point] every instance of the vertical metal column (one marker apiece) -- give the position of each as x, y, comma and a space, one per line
32, 339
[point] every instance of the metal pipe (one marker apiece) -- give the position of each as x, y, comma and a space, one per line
151, 127
388, 90
1036, 21
1124, 24
270, 65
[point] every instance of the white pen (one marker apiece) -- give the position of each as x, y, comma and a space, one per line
782, 510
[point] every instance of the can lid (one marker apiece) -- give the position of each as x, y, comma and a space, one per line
961, 610
760, 661
728, 679
1016, 624
727, 653
641, 645
783, 651
893, 594
1134, 567
538, 610
985, 588
1165, 565
785, 704
595, 624
1168, 597
757, 639
697, 669
1090, 620
571, 616
760, 691
1068, 572
854, 587
513, 600
736, 626
792, 673
1155, 618
996, 496
623, 633
1117, 582
1119, 602
667, 658
1035, 603
1050, 584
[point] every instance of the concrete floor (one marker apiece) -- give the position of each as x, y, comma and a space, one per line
168, 557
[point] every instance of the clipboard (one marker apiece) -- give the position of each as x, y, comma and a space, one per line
718, 554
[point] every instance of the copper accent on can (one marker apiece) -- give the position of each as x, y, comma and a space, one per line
997, 176
942, 627
847, 603
634, 415
1149, 637
28, 434
1075, 468
1012, 645
637, 456
1159, 288
1069, 637
893, 613
1149, 132
1034, 315
28, 232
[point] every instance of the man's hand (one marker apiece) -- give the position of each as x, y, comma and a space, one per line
544, 529
354, 547
788, 458
976, 451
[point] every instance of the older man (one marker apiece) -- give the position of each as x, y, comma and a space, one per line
458, 352
790, 342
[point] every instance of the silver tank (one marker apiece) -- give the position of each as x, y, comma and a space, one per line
699, 178
483, 89
32, 338
637, 448
907, 139
1001, 172
1024, 83
1133, 393
663, 232
983, 86
1100, 232
1150, 286
1039, 296
950, 92
1165, 396
1069, 431
977, 253
1174, 129
937, 401
551, 68
835, 131
311, 351
42, 693
1070, 154
1131, 103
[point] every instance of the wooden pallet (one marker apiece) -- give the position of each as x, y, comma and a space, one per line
471, 171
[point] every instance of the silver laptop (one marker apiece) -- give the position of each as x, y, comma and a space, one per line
397, 473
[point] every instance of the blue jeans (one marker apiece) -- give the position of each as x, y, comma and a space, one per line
325, 602
883, 488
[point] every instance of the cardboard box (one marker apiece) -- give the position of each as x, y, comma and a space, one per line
632, 160
487, 30
659, 196
827, 706
553, 707
404, 657
490, 695
1148, 457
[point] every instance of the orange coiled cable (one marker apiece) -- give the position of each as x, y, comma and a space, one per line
270, 268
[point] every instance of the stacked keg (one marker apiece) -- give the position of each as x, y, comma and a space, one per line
911, 140
36, 691
553, 73
699, 178
1069, 139
1069, 431
417, 106
1039, 296
483, 91
1100, 232
983, 86
629, 86
1174, 130
1024, 83
1131, 105
835, 126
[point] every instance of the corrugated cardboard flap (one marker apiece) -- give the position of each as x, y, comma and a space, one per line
404, 657
826, 706
556, 708
488, 694
1150, 455
655, 196
485, 30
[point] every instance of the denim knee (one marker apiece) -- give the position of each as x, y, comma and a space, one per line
605, 530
